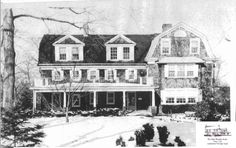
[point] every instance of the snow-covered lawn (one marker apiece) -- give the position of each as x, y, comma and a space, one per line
103, 131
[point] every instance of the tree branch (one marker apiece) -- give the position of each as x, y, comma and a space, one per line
47, 19
71, 10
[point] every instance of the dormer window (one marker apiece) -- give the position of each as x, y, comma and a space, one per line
113, 53
62, 53
120, 48
69, 48
126, 53
194, 46
75, 53
165, 46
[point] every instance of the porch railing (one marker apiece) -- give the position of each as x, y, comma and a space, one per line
139, 81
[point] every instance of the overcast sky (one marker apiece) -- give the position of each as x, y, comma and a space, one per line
214, 18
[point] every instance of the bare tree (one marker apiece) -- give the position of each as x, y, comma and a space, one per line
69, 86
8, 32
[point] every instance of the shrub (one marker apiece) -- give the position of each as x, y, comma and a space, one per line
131, 139
163, 134
140, 137
177, 108
149, 131
179, 141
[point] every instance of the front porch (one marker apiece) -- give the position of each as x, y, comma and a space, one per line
81, 100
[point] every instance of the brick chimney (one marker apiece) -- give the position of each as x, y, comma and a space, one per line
166, 27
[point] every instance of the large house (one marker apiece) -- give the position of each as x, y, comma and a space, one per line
123, 71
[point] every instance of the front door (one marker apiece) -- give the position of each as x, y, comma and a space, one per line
131, 101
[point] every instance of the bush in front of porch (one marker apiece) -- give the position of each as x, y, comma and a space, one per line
169, 109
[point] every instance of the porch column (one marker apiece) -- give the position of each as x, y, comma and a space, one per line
34, 101
124, 105
94, 99
64, 99
153, 98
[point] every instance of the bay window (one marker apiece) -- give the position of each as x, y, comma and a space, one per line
180, 100
170, 100
191, 100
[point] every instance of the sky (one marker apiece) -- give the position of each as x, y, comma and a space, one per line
214, 18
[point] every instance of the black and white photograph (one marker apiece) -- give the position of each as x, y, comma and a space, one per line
116, 73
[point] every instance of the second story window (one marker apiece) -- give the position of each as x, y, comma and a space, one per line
131, 74
165, 46
75, 53
126, 53
194, 46
180, 70
93, 74
171, 71
110, 74
76, 74
113, 53
62, 53
57, 75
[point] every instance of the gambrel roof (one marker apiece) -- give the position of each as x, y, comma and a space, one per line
177, 26
94, 47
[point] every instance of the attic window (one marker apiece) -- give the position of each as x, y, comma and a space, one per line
194, 46
126, 52
113, 53
62, 53
75, 53
165, 46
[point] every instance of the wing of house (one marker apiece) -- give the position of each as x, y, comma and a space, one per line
123, 71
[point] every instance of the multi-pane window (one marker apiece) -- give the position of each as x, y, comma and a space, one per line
93, 74
57, 75
180, 70
180, 100
170, 100
113, 53
62, 53
76, 100
165, 46
194, 46
110, 74
190, 70
131, 74
171, 71
75, 74
75, 53
110, 98
191, 100
126, 53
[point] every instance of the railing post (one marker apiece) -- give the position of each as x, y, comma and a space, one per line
94, 99
153, 98
64, 99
